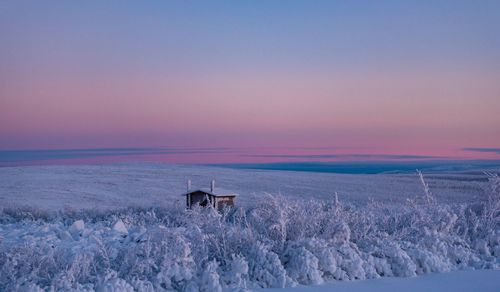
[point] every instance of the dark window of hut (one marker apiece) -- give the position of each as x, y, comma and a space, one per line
204, 203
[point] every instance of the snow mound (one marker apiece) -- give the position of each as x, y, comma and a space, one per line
120, 228
78, 226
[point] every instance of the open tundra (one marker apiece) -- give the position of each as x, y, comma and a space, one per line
125, 228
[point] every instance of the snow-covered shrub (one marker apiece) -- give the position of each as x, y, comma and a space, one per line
326, 254
491, 214
275, 242
301, 265
112, 283
350, 263
400, 263
236, 272
210, 278
265, 267
270, 218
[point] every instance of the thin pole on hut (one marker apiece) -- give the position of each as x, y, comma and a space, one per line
188, 196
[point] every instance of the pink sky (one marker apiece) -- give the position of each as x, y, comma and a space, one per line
379, 80
384, 112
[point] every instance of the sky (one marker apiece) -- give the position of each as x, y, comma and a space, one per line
322, 78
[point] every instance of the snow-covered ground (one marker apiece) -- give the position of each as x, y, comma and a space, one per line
125, 185
458, 281
124, 227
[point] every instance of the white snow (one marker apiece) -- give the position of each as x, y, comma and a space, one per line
135, 233
458, 281
78, 226
149, 184
119, 227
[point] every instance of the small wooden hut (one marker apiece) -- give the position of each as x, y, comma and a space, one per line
217, 198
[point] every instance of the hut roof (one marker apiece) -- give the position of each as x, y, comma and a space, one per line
218, 192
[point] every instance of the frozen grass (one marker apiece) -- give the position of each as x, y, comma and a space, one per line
272, 242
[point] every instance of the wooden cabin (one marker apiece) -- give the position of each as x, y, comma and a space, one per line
216, 198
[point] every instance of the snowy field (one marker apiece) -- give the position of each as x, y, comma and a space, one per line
126, 185
124, 227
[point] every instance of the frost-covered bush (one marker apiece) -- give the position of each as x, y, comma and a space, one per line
303, 266
275, 242
265, 267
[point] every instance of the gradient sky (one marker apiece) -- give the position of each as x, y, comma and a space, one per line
385, 77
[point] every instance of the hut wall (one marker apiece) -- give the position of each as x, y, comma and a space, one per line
224, 201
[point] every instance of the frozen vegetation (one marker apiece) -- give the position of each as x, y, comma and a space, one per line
273, 241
